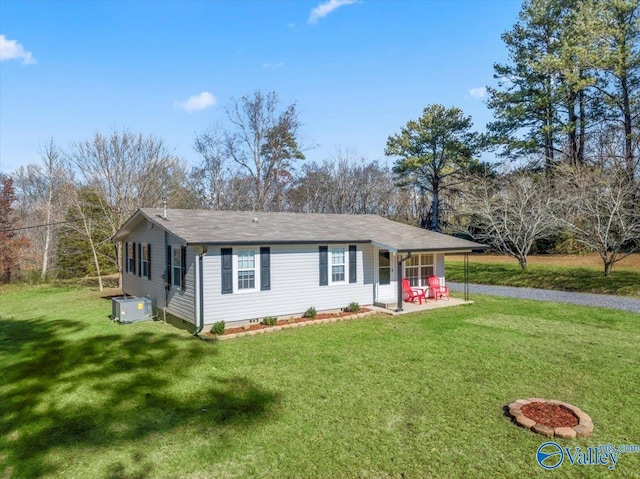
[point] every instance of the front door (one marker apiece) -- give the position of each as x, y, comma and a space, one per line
385, 282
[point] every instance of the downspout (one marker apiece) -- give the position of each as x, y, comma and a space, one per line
399, 277
198, 290
466, 276
166, 277
118, 264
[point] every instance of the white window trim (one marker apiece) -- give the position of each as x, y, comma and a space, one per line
345, 251
235, 270
177, 248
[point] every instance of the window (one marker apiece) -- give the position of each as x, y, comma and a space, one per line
176, 267
384, 267
337, 265
131, 258
246, 269
418, 268
145, 261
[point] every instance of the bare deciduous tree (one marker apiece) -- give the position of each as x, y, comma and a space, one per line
602, 211
264, 143
127, 171
208, 178
512, 211
38, 190
345, 183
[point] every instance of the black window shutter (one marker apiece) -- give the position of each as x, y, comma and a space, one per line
134, 258
227, 273
353, 273
265, 269
183, 261
125, 256
169, 265
139, 259
148, 261
324, 265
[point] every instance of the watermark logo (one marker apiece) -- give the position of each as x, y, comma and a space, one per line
550, 455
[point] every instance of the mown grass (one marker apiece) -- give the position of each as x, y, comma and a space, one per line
579, 276
410, 396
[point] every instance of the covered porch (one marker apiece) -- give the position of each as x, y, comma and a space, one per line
392, 265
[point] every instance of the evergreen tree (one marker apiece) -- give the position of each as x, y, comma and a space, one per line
75, 258
433, 152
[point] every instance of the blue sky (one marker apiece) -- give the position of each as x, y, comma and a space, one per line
358, 70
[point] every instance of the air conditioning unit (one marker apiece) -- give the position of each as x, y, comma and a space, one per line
128, 309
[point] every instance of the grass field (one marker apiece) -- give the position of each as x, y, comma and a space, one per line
581, 273
411, 396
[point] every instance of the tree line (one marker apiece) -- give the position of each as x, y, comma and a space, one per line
566, 132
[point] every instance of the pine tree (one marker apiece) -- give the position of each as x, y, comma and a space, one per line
433, 151
75, 258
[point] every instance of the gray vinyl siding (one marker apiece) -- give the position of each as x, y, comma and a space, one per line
135, 285
182, 300
181, 303
294, 284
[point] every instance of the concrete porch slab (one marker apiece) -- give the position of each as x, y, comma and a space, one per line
390, 308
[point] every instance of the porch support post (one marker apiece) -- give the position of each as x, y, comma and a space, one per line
399, 277
466, 276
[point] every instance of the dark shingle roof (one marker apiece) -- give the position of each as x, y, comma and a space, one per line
241, 227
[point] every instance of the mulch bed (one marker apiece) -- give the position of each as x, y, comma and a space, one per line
552, 415
283, 322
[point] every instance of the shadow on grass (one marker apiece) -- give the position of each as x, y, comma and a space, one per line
59, 393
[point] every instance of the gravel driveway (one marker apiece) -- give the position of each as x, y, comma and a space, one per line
585, 299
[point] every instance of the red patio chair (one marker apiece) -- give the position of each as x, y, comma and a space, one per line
410, 294
435, 290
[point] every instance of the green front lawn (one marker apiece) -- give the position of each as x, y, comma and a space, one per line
410, 396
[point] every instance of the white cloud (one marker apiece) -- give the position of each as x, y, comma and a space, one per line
478, 92
272, 65
197, 102
326, 8
12, 50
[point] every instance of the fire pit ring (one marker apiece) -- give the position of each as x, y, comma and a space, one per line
583, 424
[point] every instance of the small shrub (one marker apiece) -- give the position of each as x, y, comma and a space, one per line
353, 307
270, 320
217, 328
310, 313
